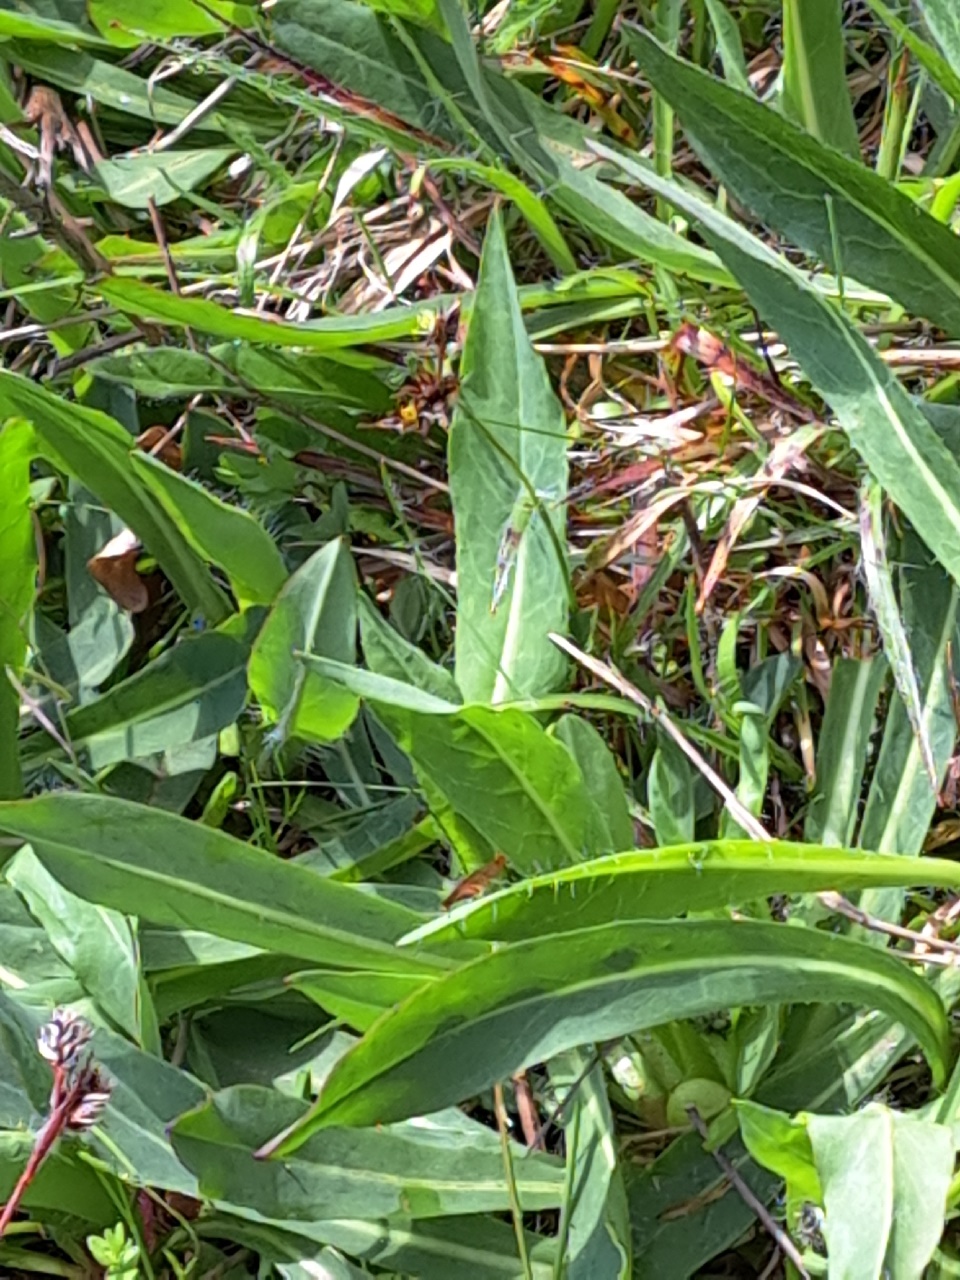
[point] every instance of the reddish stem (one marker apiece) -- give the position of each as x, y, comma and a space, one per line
49, 1132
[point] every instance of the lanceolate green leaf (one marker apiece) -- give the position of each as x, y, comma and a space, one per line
943, 20
223, 535
508, 483
884, 425
425, 1170
810, 193
659, 883
815, 90
94, 447
315, 611
163, 868
188, 693
527, 1002
517, 786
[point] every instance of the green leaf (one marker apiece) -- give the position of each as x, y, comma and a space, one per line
222, 534
598, 1228
58, 24
163, 868
358, 999
315, 612
729, 44
937, 67
327, 334
878, 572
526, 1002
189, 693
387, 653
518, 787
477, 1246
599, 768
17, 572
893, 437
658, 883
670, 794
439, 1166
816, 197
133, 181
844, 743
111, 86
815, 92
943, 23
99, 945
96, 450
508, 485
885, 1177
130, 22
781, 1145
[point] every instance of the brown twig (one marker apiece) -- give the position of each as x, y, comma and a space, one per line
753, 1201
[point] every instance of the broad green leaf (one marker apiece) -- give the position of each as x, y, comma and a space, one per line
526, 1002
599, 768
99, 945
815, 92
387, 690
508, 485
17, 573
315, 612
782, 1145
478, 1246
129, 22
670, 793
358, 999
61, 22
423, 1170
598, 1229
222, 534
163, 868
515, 785
659, 883
892, 436
885, 1177
95, 449
842, 747
133, 181
188, 693
816, 197
387, 653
